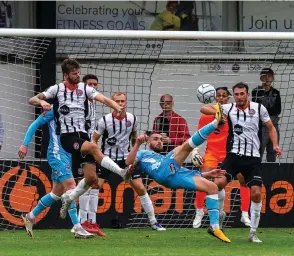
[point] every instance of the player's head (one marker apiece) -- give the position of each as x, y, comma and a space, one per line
155, 142
241, 94
172, 6
91, 80
222, 95
166, 103
120, 98
267, 76
71, 71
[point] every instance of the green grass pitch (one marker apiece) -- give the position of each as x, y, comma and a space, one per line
145, 242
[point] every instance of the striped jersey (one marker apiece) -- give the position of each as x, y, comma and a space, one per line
91, 118
116, 134
245, 128
70, 106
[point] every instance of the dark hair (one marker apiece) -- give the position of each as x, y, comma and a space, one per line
69, 65
223, 88
241, 85
267, 71
89, 76
169, 3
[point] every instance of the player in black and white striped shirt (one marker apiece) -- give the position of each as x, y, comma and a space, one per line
245, 120
117, 134
70, 111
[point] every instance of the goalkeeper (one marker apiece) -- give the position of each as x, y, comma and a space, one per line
168, 171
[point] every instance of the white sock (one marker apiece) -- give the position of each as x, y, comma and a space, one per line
93, 204
255, 209
84, 206
80, 189
148, 208
221, 200
245, 214
199, 211
111, 165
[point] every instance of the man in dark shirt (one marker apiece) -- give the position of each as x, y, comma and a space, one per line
271, 99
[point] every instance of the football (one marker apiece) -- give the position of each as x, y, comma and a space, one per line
196, 158
206, 93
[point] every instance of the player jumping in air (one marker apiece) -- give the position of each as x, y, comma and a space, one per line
62, 179
168, 171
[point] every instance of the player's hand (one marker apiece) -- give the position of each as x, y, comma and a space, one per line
217, 173
279, 151
22, 152
120, 111
142, 139
45, 105
166, 140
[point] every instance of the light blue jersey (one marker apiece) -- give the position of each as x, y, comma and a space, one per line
59, 160
165, 170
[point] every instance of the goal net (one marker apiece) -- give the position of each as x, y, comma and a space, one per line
145, 69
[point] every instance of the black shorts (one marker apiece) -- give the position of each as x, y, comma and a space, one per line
72, 143
104, 173
249, 167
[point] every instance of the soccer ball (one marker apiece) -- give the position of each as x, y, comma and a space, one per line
196, 158
206, 93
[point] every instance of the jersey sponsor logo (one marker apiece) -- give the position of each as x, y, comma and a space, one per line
79, 92
64, 110
111, 141
252, 112
238, 129
129, 123
76, 146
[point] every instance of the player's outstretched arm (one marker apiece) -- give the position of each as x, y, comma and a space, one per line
208, 110
133, 153
109, 102
23, 149
39, 100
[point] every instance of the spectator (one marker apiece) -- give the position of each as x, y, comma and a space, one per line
1, 132
167, 20
170, 125
271, 99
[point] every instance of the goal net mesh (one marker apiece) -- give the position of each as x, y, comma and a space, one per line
145, 70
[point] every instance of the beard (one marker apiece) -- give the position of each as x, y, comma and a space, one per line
74, 81
157, 150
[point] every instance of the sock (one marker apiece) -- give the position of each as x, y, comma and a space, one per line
201, 135
73, 214
221, 200
44, 202
245, 198
84, 207
200, 197
80, 189
212, 207
93, 204
148, 208
255, 215
110, 165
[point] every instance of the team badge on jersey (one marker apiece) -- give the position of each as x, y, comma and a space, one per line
79, 92
129, 123
252, 112
76, 146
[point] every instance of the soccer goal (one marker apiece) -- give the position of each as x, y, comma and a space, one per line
145, 65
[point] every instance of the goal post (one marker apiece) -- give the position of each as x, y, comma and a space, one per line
145, 65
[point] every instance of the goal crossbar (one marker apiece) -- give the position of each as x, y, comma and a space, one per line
176, 35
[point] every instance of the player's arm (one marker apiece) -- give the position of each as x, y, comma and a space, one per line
134, 136
272, 132
96, 137
99, 130
211, 109
23, 150
109, 102
132, 157
39, 99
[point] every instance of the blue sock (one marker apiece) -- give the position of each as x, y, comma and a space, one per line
212, 207
201, 135
73, 214
44, 202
